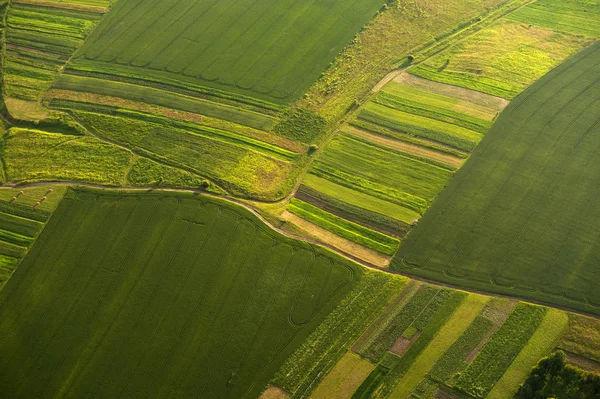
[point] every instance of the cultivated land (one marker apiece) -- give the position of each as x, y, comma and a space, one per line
267, 49
338, 121
133, 283
521, 217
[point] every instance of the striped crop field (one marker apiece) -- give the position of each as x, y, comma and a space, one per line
40, 38
160, 295
521, 217
266, 49
388, 164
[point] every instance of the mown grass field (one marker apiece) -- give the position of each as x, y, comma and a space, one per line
161, 295
268, 49
521, 217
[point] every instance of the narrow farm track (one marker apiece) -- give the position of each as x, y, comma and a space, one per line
294, 236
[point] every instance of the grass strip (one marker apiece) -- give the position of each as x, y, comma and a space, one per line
539, 345
447, 335
344, 228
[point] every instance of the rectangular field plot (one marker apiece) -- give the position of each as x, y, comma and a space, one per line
159, 295
521, 217
265, 49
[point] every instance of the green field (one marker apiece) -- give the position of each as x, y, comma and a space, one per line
521, 217
268, 49
162, 294
503, 59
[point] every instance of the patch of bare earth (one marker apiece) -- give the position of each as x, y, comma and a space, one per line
273, 392
327, 237
461, 93
406, 147
582, 362
402, 344
442, 394
391, 309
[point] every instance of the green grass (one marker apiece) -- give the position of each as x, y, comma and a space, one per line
540, 344
500, 350
501, 60
528, 186
304, 370
452, 330
430, 111
580, 17
19, 225
344, 228
238, 169
158, 294
360, 199
421, 127
381, 173
440, 101
150, 95
453, 360
374, 220
33, 155
7, 266
270, 49
148, 173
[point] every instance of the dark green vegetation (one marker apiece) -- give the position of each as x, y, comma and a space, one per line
128, 294
500, 350
276, 59
303, 371
521, 217
554, 378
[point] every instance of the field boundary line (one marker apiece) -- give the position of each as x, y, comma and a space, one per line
301, 238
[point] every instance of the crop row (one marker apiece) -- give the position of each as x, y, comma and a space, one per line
368, 218
303, 371
398, 321
440, 132
453, 361
193, 128
166, 99
500, 350
372, 127
344, 228
433, 112
385, 168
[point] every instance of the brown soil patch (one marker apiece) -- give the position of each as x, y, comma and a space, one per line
447, 159
461, 93
273, 392
442, 394
392, 308
402, 344
178, 115
327, 237
68, 6
582, 362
